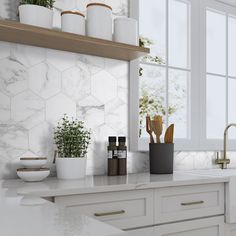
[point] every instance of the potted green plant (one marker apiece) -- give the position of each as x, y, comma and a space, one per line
36, 12
72, 140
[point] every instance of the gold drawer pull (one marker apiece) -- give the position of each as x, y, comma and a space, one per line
109, 213
192, 203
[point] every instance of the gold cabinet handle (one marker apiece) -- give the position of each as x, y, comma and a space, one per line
192, 203
109, 213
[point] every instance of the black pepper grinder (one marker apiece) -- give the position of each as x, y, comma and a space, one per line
122, 156
112, 161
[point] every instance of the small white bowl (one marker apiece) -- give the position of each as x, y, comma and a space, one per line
33, 174
33, 162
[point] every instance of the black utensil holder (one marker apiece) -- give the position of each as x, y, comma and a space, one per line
161, 158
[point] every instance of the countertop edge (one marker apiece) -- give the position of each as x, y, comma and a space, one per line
121, 187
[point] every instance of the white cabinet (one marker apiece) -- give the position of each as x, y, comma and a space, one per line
142, 232
204, 227
125, 209
175, 211
230, 229
188, 202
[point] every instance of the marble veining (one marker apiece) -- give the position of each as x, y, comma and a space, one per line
43, 217
38, 86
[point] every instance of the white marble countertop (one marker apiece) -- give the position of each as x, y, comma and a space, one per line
52, 187
24, 213
33, 216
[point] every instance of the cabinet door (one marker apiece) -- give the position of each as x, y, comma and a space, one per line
230, 229
205, 227
141, 232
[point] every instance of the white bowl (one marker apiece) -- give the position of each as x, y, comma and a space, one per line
33, 174
33, 162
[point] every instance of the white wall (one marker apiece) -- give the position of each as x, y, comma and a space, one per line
37, 86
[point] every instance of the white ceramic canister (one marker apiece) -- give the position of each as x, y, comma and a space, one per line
73, 22
36, 15
126, 30
99, 21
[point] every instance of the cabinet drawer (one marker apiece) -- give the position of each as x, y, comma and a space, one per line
188, 202
127, 209
213, 226
141, 232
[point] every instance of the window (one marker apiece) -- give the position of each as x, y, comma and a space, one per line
189, 77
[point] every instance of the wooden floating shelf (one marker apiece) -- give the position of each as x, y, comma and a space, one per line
16, 32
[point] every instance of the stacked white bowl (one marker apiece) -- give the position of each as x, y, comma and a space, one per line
33, 169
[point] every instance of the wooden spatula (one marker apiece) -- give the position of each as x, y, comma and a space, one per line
169, 135
149, 128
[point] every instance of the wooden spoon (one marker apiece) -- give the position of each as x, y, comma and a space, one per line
157, 128
169, 135
149, 128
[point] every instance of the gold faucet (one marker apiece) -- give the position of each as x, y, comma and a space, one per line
224, 161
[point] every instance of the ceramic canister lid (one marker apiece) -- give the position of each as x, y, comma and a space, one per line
72, 12
99, 4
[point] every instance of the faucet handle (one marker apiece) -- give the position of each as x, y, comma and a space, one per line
218, 155
221, 161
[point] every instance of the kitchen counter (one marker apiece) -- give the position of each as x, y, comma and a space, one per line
24, 213
34, 216
97, 184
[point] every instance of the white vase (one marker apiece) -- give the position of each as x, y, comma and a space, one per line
99, 21
36, 15
71, 168
73, 22
126, 30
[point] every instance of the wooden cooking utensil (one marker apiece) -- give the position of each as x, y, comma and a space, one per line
157, 128
169, 135
149, 128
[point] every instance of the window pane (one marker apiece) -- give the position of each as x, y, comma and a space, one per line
232, 46
216, 106
152, 94
178, 101
232, 107
152, 25
178, 34
216, 43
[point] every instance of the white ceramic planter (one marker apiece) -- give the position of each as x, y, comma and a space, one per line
71, 168
73, 22
126, 31
36, 15
99, 21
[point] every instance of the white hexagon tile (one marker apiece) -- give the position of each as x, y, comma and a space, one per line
76, 82
57, 106
41, 140
44, 80
13, 143
13, 76
61, 60
5, 106
104, 86
27, 109
4, 50
27, 55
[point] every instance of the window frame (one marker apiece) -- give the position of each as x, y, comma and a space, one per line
197, 105
212, 144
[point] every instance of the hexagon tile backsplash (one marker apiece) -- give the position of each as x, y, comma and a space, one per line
37, 86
